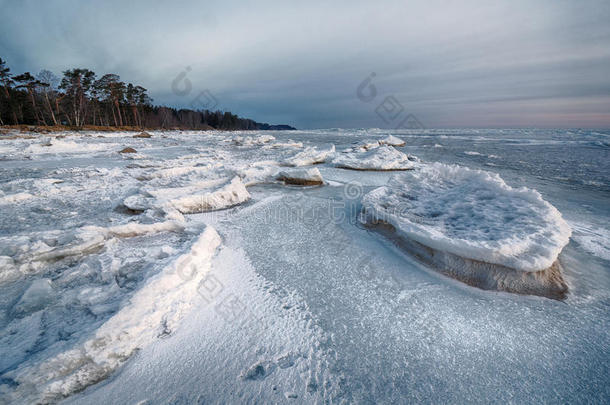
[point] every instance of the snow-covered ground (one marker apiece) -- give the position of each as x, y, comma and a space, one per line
192, 271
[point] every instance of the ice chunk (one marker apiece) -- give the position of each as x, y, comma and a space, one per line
178, 171
287, 144
365, 145
311, 156
250, 141
18, 340
264, 139
137, 203
258, 172
31, 254
382, 158
232, 193
474, 220
391, 140
83, 241
301, 177
8, 270
135, 229
474, 214
37, 296
61, 146
15, 198
156, 309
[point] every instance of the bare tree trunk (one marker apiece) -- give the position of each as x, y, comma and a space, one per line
46, 94
75, 112
57, 100
37, 112
10, 106
118, 109
114, 116
135, 115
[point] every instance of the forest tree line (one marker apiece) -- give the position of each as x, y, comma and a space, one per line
80, 98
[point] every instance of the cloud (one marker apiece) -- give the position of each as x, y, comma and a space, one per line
466, 63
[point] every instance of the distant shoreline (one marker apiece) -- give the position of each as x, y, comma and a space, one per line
42, 129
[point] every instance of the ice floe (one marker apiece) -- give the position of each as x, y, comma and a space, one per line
311, 156
477, 221
381, 159
37, 296
391, 140
258, 172
232, 193
365, 145
286, 144
301, 177
252, 141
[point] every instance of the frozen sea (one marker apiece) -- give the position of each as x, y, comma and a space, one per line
112, 295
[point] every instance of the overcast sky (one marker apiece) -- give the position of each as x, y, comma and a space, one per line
449, 63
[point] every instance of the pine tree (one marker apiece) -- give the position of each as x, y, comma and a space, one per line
77, 83
7, 82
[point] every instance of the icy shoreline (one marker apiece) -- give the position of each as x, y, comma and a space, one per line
88, 231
